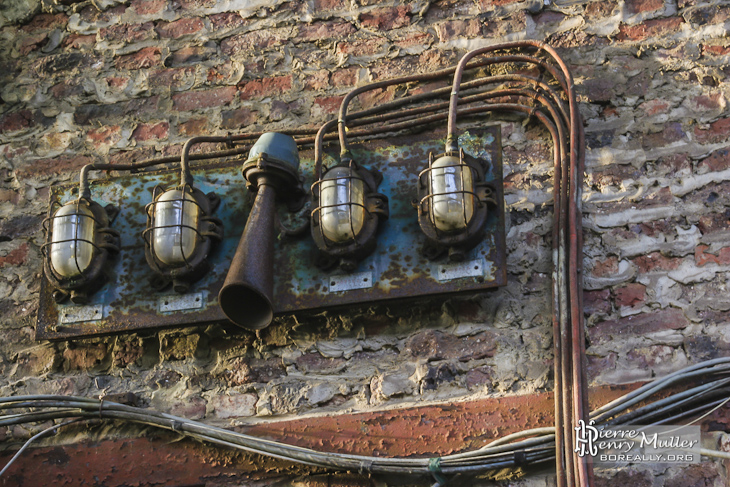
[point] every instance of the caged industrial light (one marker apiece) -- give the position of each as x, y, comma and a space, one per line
180, 231
179, 236
453, 202
347, 210
78, 244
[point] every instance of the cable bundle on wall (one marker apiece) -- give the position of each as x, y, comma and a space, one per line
548, 98
526, 448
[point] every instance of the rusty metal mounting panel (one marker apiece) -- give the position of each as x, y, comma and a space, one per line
396, 270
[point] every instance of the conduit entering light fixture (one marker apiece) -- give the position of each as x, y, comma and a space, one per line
453, 202
271, 171
180, 234
347, 210
78, 243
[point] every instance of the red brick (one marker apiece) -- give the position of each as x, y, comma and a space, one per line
76, 41
16, 256
708, 14
131, 156
191, 408
107, 135
396, 67
252, 41
719, 131
490, 4
699, 475
599, 10
118, 82
478, 377
151, 131
458, 28
179, 28
625, 477
12, 122
437, 345
148, 7
641, 6
266, 87
715, 50
127, 32
45, 21
632, 295
672, 164
67, 89
144, 58
195, 100
516, 22
345, 76
656, 262
717, 161
415, 39
192, 55
648, 357
436, 58
548, 17
325, 30
127, 352
653, 107
595, 366
386, 18
84, 357
650, 28
672, 132
173, 78
316, 363
605, 267
704, 103
361, 47
227, 20
328, 4
373, 98
715, 222
32, 43
195, 126
638, 325
328, 104
54, 167
243, 370
597, 302
238, 119
702, 258
317, 81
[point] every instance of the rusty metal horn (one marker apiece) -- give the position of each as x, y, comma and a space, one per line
246, 297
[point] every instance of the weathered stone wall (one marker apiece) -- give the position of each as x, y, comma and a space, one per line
137, 78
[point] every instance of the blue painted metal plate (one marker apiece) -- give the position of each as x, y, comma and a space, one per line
396, 270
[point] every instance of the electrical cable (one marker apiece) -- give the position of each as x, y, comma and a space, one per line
523, 448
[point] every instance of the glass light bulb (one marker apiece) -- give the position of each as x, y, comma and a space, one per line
176, 222
72, 239
453, 201
342, 198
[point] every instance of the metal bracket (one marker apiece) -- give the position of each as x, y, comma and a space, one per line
174, 302
449, 272
348, 282
79, 314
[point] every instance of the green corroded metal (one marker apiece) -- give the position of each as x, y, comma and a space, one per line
396, 270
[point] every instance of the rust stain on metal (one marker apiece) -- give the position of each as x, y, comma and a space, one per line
130, 301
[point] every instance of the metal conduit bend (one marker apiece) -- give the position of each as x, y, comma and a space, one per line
566, 130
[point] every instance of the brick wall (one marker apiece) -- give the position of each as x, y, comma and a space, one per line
138, 78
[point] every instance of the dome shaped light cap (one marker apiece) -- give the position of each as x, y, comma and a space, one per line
279, 146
